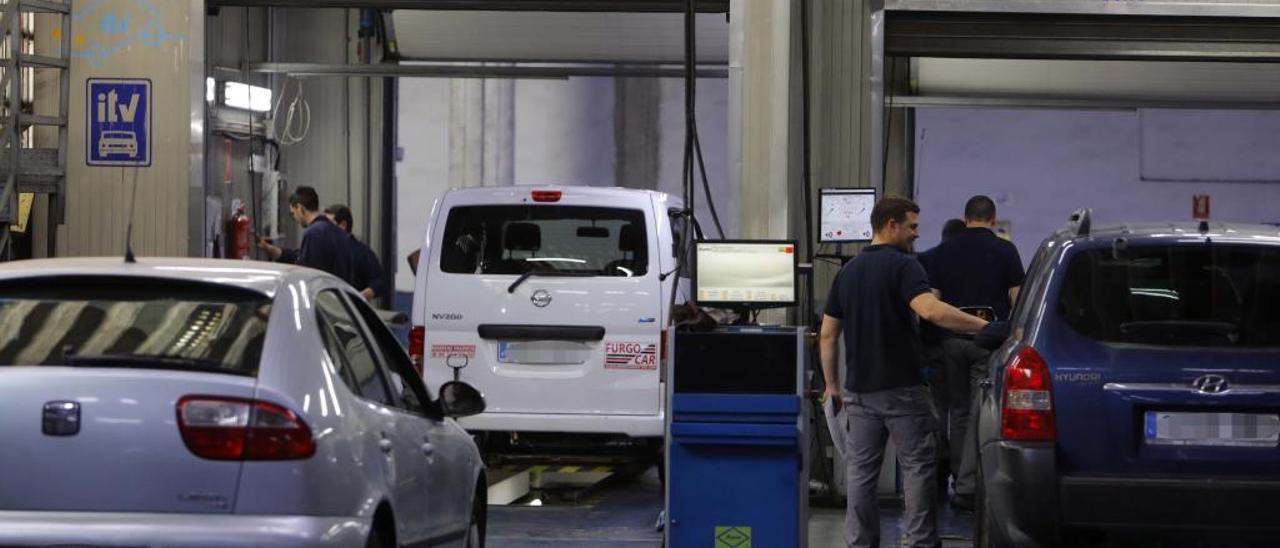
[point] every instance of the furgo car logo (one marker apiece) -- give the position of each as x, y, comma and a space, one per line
1211, 384
541, 298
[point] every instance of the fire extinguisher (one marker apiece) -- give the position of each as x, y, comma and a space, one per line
240, 230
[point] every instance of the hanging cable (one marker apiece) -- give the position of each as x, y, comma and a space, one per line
887, 116
810, 292
293, 132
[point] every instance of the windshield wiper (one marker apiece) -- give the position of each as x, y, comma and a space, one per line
550, 274
169, 363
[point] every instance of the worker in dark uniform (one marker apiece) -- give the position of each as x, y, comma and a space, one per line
975, 269
935, 370
369, 277
324, 246
874, 303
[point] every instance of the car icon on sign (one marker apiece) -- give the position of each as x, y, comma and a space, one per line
118, 142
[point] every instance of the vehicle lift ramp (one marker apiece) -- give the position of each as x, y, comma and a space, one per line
24, 169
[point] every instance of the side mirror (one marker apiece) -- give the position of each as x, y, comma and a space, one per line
460, 399
993, 335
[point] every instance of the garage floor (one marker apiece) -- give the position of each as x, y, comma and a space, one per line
623, 515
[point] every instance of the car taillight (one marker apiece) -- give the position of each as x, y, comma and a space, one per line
1027, 414
417, 341
221, 428
546, 195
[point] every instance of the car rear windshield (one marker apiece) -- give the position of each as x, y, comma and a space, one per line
133, 323
596, 241
1179, 295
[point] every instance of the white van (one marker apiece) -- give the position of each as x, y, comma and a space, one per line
552, 301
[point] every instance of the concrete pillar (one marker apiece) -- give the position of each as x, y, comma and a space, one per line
169, 217
499, 132
481, 132
636, 133
466, 132
764, 159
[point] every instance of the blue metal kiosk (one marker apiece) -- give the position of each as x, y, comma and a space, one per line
737, 468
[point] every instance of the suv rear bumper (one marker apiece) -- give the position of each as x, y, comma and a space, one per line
179, 530
1033, 504
636, 426
1020, 483
1195, 504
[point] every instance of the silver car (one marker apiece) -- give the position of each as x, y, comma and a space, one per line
190, 402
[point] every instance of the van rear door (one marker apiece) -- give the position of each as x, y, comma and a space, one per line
548, 306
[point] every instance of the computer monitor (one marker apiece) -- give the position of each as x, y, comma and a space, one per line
845, 214
745, 273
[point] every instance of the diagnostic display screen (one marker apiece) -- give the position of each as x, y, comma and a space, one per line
745, 272
845, 214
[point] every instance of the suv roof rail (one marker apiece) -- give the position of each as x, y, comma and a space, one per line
1080, 221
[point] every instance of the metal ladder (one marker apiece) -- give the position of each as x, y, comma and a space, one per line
25, 169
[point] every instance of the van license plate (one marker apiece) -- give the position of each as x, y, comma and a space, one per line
1213, 429
543, 352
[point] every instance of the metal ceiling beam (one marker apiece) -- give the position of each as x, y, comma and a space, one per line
478, 71
1193, 8
639, 6
1096, 37
1072, 103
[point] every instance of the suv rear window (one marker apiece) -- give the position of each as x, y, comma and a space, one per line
1182, 295
131, 322
595, 241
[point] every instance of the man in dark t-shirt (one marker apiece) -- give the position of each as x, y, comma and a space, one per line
976, 268
874, 303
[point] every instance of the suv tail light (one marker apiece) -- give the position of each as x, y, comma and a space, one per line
417, 341
546, 195
1027, 414
221, 428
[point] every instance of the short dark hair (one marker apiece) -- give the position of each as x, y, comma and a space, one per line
341, 214
891, 207
951, 228
979, 208
306, 197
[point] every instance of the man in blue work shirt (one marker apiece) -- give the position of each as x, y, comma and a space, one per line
324, 246
369, 278
874, 302
978, 269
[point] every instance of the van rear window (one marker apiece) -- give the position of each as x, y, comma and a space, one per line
1212, 295
514, 239
131, 322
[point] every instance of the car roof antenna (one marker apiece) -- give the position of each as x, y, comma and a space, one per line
128, 231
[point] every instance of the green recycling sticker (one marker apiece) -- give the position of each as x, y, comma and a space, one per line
733, 537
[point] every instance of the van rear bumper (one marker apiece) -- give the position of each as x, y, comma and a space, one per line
636, 426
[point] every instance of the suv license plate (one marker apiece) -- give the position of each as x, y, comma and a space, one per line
1213, 429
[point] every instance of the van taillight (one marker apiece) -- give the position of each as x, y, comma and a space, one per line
222, 428
546, 195
1027, 414
662, 356
417, 341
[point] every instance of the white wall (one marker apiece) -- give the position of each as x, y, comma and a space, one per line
563, 135
1040, 165
564, 132
712, 108
424, 173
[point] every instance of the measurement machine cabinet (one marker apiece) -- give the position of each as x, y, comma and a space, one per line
737, 436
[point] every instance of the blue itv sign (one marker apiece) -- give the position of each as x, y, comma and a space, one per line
119, 112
